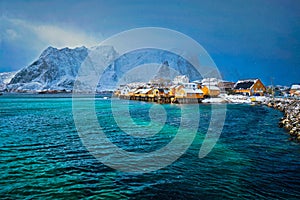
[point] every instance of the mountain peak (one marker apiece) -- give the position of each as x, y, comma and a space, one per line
164, 73
51, 50
47, 51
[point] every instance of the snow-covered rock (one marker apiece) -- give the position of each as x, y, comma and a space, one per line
236, 99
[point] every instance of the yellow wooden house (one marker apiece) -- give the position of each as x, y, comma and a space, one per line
210, 91
188, 91
161, 92
143, 92
250, 87
295, 90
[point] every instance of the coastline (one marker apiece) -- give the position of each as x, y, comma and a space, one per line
289, 106
291, 119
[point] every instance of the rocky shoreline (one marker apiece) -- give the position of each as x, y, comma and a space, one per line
291, 119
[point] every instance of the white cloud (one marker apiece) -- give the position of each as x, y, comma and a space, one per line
61, 37
11, 34
42, 35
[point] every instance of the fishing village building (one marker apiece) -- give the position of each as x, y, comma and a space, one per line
226, 85
187, 93
211, 90
182, 91
295, 90
250, 87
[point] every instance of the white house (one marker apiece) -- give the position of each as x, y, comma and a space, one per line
125, 90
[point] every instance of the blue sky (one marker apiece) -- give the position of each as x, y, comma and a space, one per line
246, 39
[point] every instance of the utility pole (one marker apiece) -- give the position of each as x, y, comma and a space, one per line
272, 87
209, 87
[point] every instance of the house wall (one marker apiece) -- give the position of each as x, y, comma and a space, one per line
205, 91
258, 88
172, 92
294, 92
244, 91
157, 93
181, 93
194, 95
226, 85
212, 93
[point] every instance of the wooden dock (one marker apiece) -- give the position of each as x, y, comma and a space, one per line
161, 99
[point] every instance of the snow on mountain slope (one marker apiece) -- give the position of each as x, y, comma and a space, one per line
125, 63
56, 69
5, 78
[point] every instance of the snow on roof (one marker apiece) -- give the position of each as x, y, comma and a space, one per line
295, 87
247, 80
138, 91
193, 91
212, 87
178, 86
210, 81
142, 91
146, 90
197, 81
245, 84
133, 90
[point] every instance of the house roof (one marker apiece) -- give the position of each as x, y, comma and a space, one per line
226, 84
212, 87
197, 82
178, 86
133, 90
163, 90
248, 79
245, 84
193, 91
142, 91
295, 87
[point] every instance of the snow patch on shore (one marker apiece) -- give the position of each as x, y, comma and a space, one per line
237, 99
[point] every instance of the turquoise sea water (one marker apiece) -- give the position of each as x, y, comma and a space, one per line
42, 155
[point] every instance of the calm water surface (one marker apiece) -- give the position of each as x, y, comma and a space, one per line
43, 157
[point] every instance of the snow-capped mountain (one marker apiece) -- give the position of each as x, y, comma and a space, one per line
56, 69
5, 78
139, 63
